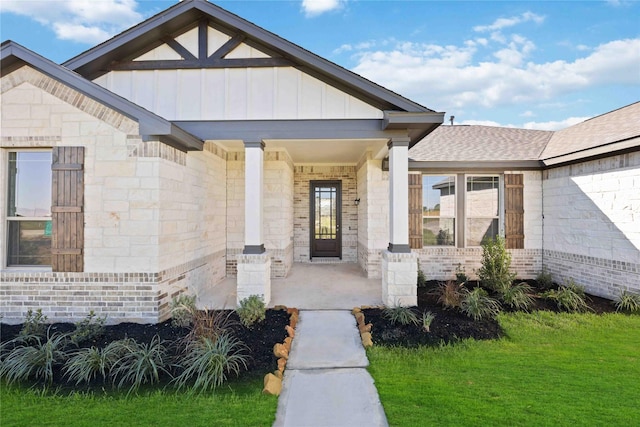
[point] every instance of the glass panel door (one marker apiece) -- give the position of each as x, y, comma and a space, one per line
325, 219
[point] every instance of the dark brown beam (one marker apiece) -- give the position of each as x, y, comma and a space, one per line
178, 48
203, 40
228, 47
208, 63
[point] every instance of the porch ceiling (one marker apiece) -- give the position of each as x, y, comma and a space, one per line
320, 150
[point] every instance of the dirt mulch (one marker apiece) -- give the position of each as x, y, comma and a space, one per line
451, 325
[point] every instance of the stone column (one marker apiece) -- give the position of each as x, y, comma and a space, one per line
399, 265
254, 264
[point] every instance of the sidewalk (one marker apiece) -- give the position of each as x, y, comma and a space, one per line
326, 383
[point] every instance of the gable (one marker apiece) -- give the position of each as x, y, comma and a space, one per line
180, 21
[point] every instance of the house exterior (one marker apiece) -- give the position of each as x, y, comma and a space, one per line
192, 147
197, 146
566, 201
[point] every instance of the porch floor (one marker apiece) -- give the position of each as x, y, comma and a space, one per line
309, 286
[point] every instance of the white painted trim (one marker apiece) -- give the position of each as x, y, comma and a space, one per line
399, 193
254, 196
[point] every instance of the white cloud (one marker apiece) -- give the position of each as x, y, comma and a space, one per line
318, 7
83, 21
451, 77
483, 123
555, 125
502, 23
528, 113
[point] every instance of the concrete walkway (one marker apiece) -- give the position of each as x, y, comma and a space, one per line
326, 383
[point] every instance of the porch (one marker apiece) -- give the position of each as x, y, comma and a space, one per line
318, 286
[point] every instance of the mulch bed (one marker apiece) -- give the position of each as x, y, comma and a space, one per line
259, 339
451, 325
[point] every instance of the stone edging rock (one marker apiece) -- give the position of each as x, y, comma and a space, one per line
364, 328
273, 381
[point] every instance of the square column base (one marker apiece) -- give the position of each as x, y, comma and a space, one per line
254, 277
399, 279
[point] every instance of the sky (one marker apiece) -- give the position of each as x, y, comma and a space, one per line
536, 65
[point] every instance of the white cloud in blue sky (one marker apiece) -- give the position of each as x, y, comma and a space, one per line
317, 7
82, 21
492, 62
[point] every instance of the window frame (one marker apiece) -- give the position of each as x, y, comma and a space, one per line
455, 210
499, 217
6, 219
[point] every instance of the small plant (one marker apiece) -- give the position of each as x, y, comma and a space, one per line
34, 357
569, 297
461, 276
251, 310
628, 301
545, 280
450, 294
495, 271
209, 324
139, 363
183, 309
400, 314
422, 280
85, 364
89, 328
208, 362
518, 296
478, 305
35, 324
426, 319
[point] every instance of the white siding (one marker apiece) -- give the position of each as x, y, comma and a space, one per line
236, 94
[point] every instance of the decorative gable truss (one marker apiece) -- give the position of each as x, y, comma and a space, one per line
203, 47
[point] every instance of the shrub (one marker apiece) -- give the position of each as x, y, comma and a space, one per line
139, 363
450, 294
36, 360
518, 296
183, 309
251, 310
35, 324
461, 276
478, 305
569, 297
426, 319
628, 301
494, 273
86, 363
545, 280
400, 314
89, 328
422, 280
209, 324
208, 362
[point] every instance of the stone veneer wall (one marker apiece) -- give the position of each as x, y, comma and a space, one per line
134, 265
303, 175
591, 231
278, 206
373, 215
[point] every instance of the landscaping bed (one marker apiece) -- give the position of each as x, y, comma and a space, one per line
258, 340
451, 325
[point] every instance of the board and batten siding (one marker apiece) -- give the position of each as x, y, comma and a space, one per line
282, 93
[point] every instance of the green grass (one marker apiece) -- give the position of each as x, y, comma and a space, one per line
551, 370
238, 404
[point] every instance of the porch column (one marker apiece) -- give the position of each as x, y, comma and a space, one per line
399, 195
399, 264
254, 264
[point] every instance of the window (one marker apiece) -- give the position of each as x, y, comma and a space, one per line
438, 210
482, 209
29, 209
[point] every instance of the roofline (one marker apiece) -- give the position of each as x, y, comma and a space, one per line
150, 124
601, 151
309, 62
474, 166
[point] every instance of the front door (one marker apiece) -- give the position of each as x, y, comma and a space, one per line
325, 227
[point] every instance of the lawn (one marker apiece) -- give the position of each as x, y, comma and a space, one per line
552, 369
237, 404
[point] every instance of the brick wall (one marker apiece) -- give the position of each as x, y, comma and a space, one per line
591, 231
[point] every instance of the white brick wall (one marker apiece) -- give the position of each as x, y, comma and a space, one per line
591, 230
